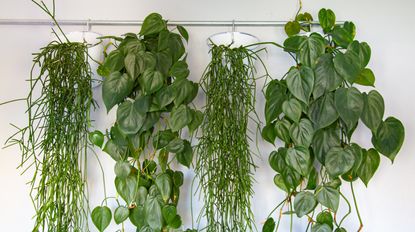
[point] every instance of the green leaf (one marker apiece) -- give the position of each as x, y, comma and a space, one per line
185, 91
163, 138
362, 50
389, 137
298, 158
312, 48
277, 159
291, 178
175, 146
164, 185
348, 66
197, 120
176, 223
349, 105
151, 119
293, 43
269, 225
163, 158
317, 227
180, 70
153, 214
373, 110
183, 32
366, 77
164, 96
132, 65
169, 213
312, 179
282, 129
269, 133
163, 61
114, 62
186, 156
323, 140
329, 197
300, 82
163, 41
115, 88
292, 109
350, 27
327, 19
131, 115
96, 137
292, 28
325, 217
275, 96
141, 195
280, 183
339, 161
176, 47
369, 165
151, 81
115, 151
322, 112
153, 24
178, 178
304, 203
326, 77
137, 216
180, 117
101, 217
122, 169
126, 188
340, 229
342, 37
302, 133
121, 214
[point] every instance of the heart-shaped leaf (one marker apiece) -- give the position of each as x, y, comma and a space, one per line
151, 81
292, 109
282, 129
302, 133
323, 140
269, 133
369, 165
169, 213
126, 187
300, 82
322, 112
327, 19
277, 159
153, 214
186, 156
115, 88
179, 70
349, 105
292, 28
152, 24
101, 217
131, 115
326, 77
348, 66
298, 158
275, 96
339, 161
317, 227
328, 196
366, 77
180, 117
138, 216
362, 50
373, 110
269, 225
389, 137
304, 203
122, 169
164, 185
121, 214
312, 48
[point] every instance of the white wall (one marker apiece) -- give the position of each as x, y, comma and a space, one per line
388, 203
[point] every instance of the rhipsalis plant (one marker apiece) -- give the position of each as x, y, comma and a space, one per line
146, 77
54, 143
314, 109
225, 162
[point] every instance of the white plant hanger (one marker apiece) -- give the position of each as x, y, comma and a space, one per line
232, 38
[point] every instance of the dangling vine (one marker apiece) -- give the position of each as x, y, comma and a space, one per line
314, 109
54, 143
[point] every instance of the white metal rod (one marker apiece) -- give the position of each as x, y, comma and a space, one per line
40, 22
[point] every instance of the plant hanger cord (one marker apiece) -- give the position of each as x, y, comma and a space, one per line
225, 165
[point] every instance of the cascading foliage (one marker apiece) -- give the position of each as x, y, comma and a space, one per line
146, 77
224, 162
314, 110
54, 143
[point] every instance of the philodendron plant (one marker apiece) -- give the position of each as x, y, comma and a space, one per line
314, 110
146, 76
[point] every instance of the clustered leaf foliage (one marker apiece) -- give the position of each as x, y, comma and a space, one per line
146, 77
314, 110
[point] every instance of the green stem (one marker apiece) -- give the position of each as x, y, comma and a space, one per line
357, 208
348, 213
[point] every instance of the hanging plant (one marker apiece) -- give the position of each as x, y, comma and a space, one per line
55, 142
225, 162
146, 77
314, 110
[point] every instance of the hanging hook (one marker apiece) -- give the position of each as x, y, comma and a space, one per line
233, 31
